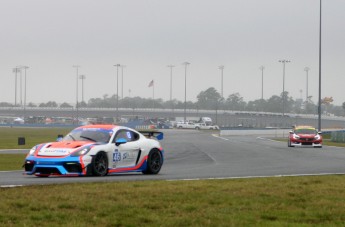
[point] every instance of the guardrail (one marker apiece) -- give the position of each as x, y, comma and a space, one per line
256, 132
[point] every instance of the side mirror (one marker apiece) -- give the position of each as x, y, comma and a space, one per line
291, 132
319, 133
59, 138
160, 136
120, 141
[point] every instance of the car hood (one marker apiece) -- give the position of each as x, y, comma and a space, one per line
61, 148
306, 135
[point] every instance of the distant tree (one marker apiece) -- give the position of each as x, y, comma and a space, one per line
274, 104
49, 104
257, 105
5, 104
82, 104
327, 101
208, 99
235, 102
297, 106
32, 105
170, 104
65, 105
95, 103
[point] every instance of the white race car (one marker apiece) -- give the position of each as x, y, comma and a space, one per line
97, 150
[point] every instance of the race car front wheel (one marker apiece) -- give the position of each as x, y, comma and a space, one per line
289, 143
154, 162
99, 164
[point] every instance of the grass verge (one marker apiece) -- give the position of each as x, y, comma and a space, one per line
33, 136
11, 161
288, 201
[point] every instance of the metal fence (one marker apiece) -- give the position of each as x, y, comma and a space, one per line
338, 136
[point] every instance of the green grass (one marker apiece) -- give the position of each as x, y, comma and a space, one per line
11, 161
289, 201
33, 136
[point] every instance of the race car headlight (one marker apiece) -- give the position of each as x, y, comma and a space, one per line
296, 136
32, 151
81, 151
317, 137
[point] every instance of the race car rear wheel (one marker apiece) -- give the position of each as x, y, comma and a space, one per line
154, 162
99, 164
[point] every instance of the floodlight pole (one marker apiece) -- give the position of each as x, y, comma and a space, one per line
76, 105
185, 90
25, 68
82, 77
262, 81
171, 67
15, 70
117, 91
221, 67
21, 87
319, 106
306, 69
284, 62
122, 66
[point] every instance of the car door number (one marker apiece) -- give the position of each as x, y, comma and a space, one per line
116, 156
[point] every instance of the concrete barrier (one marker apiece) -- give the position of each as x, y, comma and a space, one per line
255, 132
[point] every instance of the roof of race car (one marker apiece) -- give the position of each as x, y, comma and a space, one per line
304, 127
107, 127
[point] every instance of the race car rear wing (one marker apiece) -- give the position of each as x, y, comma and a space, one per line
153, 134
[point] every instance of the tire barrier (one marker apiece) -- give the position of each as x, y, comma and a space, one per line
140, 127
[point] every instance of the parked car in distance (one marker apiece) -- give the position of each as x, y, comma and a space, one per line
185, 125
205, 126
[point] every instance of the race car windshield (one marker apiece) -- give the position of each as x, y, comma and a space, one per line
305, 131
100, 136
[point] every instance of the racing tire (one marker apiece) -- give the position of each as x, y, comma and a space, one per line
45, 175
99, 164
197, 128
180, 127
289, 143
154, 162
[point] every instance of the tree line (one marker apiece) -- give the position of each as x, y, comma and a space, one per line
209, 99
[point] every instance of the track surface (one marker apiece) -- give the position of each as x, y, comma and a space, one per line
191, 154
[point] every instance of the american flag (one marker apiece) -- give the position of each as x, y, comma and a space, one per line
151, 83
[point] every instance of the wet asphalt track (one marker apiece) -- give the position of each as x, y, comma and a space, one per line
191, 154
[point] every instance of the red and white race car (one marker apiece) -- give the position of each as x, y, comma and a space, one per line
304, 136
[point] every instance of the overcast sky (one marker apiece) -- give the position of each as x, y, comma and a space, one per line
50, 36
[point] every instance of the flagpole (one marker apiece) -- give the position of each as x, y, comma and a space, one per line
153, 95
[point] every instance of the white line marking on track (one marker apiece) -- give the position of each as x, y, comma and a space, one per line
253, 177
14, 149
264, 138
10, 186
11, 171
214, 135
